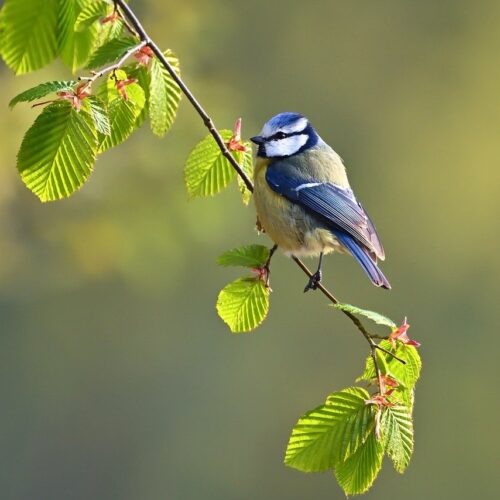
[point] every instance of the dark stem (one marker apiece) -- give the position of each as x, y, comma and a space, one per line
129, 15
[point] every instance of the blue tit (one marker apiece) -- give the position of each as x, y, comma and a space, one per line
304, 201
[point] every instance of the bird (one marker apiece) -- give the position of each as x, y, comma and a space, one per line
304, 201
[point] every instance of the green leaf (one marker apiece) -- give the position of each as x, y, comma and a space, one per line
397, 435
29, 39
207, 172
110, 52
253, 256
374, 316
58, 152
358, 472
42, 90
243, 304
75, 47
165, 95
141, 74
99, 113
90, 14
245, 160
122, 113
329, 434
406, 374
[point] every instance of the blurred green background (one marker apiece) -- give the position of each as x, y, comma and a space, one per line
118, 380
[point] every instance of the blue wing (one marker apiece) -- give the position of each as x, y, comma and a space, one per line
336, 207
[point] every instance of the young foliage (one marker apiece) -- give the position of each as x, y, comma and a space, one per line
29, 39
329, 434
252, 256
243, 304
358, 472
207, 171
58, 152
397, 435
92, 12
245, 159
374, 316
110, 52
405, 374
164, 95
123, 109
75, 46
42, 90
99, 113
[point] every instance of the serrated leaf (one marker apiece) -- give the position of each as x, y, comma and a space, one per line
122, 117
374, 316
110, 52
58, 152
405, 374
99, 113
42, 90
164, 95
141, 74
253, 256
90, 14
245, 160
122, 113
207, 172
397, 435
329, 434
357, 473
29, 39
243, 304
75, 47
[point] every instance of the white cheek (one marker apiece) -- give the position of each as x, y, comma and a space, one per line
285, 147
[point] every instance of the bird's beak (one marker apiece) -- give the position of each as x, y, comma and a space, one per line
258, 139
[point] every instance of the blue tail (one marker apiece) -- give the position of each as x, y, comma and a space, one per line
363, 257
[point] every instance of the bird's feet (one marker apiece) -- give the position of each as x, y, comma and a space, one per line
313, 282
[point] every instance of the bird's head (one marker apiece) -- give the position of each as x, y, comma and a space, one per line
285, 135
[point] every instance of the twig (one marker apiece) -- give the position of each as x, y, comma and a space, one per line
129, 14
115, 66
136, 24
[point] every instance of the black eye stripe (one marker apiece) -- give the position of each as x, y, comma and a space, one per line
282, 135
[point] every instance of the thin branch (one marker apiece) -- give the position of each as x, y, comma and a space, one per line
115, 66
136, 24
128, 14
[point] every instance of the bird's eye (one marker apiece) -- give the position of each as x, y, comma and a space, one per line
279, 135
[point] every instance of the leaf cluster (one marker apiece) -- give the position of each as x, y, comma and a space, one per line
81, 120
353, 430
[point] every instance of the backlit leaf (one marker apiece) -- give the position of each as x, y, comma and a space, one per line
58, 152
397, 435
29, 39
374, 316
164, 95
357, 473
42, 90
91, 13
207, 171
329, 434
75, 47
99, 113
253, 256
243, 304
122, 112
110, 52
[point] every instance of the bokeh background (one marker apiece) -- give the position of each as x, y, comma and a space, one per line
118, 380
